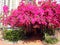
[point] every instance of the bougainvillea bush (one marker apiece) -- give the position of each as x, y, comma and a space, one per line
47, 14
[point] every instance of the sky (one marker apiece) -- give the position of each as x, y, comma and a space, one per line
58, 1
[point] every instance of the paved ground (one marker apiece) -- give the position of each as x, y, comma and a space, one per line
36, 42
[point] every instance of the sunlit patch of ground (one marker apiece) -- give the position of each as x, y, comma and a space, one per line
25, 42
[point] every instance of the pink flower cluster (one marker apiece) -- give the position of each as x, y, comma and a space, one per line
5, 9
26, 14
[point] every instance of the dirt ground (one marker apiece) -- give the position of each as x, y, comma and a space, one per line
26, 42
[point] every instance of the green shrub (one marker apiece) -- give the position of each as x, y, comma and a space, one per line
49, 39
14, 35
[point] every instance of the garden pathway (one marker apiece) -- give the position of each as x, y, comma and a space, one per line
36, 42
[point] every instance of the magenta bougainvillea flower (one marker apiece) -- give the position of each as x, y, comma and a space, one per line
46, 14
5, 9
